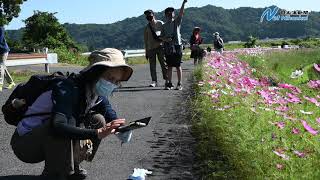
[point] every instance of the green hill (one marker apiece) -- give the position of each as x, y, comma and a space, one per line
233, 24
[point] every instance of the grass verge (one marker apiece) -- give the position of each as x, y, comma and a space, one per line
22, 76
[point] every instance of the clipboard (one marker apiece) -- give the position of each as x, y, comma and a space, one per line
140, 123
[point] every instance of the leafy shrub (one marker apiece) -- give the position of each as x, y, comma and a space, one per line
69, 57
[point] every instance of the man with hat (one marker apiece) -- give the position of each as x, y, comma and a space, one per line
218, 42
153, 46
79, 99
173, 45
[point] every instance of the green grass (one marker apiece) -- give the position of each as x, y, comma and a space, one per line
282, 64
137, 60
227, 46
237, 143
22, 76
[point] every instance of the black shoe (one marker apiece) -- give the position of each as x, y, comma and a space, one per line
169, 86
79, 174
45, 175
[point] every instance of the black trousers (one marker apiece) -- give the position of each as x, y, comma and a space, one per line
61, 154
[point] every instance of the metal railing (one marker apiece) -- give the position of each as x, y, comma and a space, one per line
140, 53
132, 53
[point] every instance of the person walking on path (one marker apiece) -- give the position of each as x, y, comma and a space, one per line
4, 51
173, 45
197, 52
153, 47
79, 99
218, 43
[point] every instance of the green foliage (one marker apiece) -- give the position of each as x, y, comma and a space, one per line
44, 30
69, 57
284, 63
251, 42
9, 9
15, 46
233, 24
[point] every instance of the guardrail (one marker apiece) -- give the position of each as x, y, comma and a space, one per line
132, 53
126, 53
291, 47
32, 59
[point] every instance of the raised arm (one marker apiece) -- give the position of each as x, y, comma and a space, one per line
182, 8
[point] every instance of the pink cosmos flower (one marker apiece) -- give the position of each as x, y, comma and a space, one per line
300, 154
289, 117
292, 98
281, 154
282, 108
316, 67
280, 166
312, 100
294, 89
264, 81
295, 131
314, 84
280, 125
318, 120
309, 128
286, 86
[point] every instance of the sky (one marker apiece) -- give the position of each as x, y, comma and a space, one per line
109, 11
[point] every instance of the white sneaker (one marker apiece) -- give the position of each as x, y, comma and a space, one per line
11, 85
153, 84
179, 87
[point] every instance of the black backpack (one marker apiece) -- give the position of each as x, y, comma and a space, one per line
218, 43
29, 91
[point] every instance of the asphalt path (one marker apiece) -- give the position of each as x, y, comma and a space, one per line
165, 147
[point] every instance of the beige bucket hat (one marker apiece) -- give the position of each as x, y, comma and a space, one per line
109, 57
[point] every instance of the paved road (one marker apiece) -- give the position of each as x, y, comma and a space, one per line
164, 147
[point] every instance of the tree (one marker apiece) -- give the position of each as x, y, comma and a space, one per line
43, 30
8, 10
252, 42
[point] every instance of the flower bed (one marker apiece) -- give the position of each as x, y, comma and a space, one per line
265, 127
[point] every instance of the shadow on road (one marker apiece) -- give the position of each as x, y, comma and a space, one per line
131, 87
139, 89
21, 177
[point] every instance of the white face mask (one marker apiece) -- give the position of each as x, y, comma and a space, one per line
104, 87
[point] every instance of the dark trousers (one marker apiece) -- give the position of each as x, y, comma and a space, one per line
152, 54
61, 154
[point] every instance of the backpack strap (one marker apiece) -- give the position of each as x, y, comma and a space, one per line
36, 114
154, 33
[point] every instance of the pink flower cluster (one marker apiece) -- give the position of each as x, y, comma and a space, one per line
315, 84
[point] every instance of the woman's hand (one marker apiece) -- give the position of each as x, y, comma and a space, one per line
110, 128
